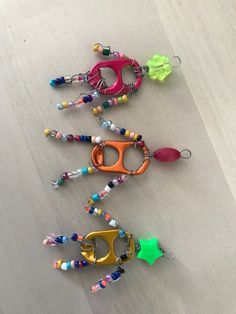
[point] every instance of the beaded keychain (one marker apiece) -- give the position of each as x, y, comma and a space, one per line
157, 68
145, 249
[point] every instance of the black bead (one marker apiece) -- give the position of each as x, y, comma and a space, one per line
111, 185
139, 138
124, 257
120, 270
122, 131
85, 99
89, 139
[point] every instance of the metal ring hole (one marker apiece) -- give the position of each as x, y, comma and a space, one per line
185, 153
175, 62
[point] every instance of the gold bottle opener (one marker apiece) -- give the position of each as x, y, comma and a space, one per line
88, 252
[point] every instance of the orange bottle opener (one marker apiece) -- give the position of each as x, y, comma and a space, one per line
97, 156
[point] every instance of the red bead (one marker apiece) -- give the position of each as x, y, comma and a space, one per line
77, 138
167, 154
70, 138
140, 144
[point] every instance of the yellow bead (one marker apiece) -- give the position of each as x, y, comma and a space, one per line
99, 212
135, 136
47, 132
124, 98
95, 48
95, 111
90, 201
127, 133
90, 170
59, 262
120, 100
65, 104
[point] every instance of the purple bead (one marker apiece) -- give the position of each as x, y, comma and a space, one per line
74, 237
70, 138
120, 180
85, 263
65, 176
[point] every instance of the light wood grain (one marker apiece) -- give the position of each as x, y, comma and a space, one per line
188, 205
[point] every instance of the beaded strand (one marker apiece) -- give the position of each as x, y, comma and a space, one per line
72, 175
108, 124
73, 138
113, 102
79, 101
110, 185
111, 278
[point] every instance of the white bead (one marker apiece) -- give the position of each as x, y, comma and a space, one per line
96, 94
112, 127
107, 189
113, 223
98, 139
64, 266
79, 173
95, 210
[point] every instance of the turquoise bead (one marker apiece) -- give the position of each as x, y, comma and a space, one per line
52, 83
95, 197
84, 170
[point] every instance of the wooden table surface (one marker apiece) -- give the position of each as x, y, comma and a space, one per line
189, 205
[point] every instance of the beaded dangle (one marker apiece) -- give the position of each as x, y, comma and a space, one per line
166, 154
145, 249
157, 68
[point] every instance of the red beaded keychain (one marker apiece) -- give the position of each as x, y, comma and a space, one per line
157, 68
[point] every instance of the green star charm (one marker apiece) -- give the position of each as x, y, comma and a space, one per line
149, 250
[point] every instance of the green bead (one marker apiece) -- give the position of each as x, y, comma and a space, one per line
60, 181
106, 51
159, 67
149, 250
105, 104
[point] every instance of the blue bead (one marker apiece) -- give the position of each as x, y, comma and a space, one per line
101, 285
85, 263
104, 124
122, 233
76, 264
95, 197
91, 211
90, 98
57, 81
85, 99
64, 239
62, 80
116, 275
122, 131
52, 83
68, 265
59, 239
84, 170
82, 138
74, 237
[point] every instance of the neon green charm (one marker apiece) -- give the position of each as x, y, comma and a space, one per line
149, 250
159, 68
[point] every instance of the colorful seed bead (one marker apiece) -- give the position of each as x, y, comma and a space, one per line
47, 132
95, 47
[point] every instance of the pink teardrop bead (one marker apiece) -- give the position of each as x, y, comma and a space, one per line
167, 154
